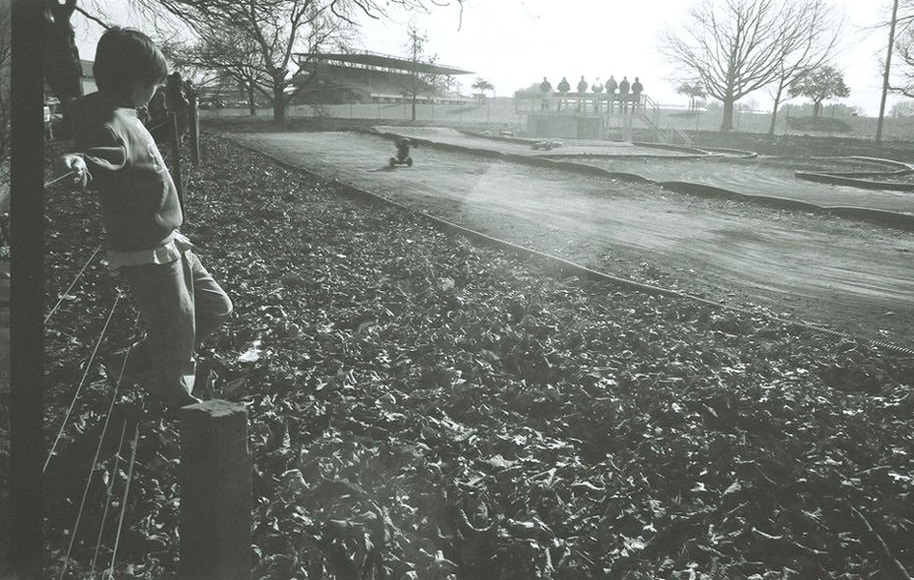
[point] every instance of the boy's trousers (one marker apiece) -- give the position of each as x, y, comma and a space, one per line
180, 304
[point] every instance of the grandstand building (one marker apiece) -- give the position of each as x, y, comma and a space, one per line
369, 77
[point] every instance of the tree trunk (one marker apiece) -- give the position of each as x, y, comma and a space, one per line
816, 109
252, 108
726, 123
62, 68
279, 105
415, 92
774, 111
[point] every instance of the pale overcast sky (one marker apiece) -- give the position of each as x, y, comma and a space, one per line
514, 43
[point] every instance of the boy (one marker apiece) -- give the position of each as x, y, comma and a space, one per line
179, 301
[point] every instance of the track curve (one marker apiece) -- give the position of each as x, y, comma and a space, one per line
792, 262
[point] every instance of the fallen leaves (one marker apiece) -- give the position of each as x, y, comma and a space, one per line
422, 407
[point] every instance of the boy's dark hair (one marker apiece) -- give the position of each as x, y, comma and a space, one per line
126, 55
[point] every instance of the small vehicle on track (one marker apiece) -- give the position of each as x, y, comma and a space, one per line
547, 145
402, 157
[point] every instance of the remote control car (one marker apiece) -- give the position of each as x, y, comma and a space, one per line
402, 157
547, 145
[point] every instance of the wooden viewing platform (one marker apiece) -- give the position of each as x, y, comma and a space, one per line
593, 116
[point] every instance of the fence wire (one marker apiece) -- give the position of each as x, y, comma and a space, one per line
108, 496
94, 466
82, 382
120, 524
72, 284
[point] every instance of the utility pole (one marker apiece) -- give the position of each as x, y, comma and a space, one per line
885, 76
416, 43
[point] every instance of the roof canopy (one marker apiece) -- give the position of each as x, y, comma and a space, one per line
380, 60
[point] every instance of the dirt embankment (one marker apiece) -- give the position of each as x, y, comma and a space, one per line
806, 145
780, 145
821, 268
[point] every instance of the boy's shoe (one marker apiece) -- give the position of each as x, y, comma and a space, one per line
179, 398
132, 365
169, 408
204, 381
176, 409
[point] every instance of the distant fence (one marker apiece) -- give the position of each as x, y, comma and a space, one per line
495, 111
502, 111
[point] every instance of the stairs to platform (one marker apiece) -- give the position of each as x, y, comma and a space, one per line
666, 133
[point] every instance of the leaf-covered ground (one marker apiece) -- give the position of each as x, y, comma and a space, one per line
422, 407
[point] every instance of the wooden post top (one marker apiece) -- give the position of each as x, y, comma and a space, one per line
215, 408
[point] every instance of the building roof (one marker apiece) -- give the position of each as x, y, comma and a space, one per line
381, 60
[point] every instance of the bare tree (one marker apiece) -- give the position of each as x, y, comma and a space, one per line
736, 47
894, 26
191, 11
415, 48
905, 17
196, 67
902, 109
271, 32
482, 85
62, 68
253, 41
692, 89
819, 85
903, 81
220, 55
804, 49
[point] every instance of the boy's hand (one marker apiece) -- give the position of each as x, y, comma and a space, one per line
71, 162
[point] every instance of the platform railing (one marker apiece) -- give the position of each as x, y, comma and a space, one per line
594, 104
656, 121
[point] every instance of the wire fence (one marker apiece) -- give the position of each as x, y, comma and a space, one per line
93, 469
112, 495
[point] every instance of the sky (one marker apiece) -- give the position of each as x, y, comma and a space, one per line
515, 43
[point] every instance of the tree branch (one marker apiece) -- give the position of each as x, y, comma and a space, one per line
94, 18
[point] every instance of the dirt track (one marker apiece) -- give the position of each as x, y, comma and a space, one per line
850, 275
767, 176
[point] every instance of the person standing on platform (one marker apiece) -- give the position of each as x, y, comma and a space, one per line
597, 89
564, 88
637, 88
623, 94
611, 86
582, 89
546, 90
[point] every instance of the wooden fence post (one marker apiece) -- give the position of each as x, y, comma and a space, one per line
194, 133
176, 160
215, 476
